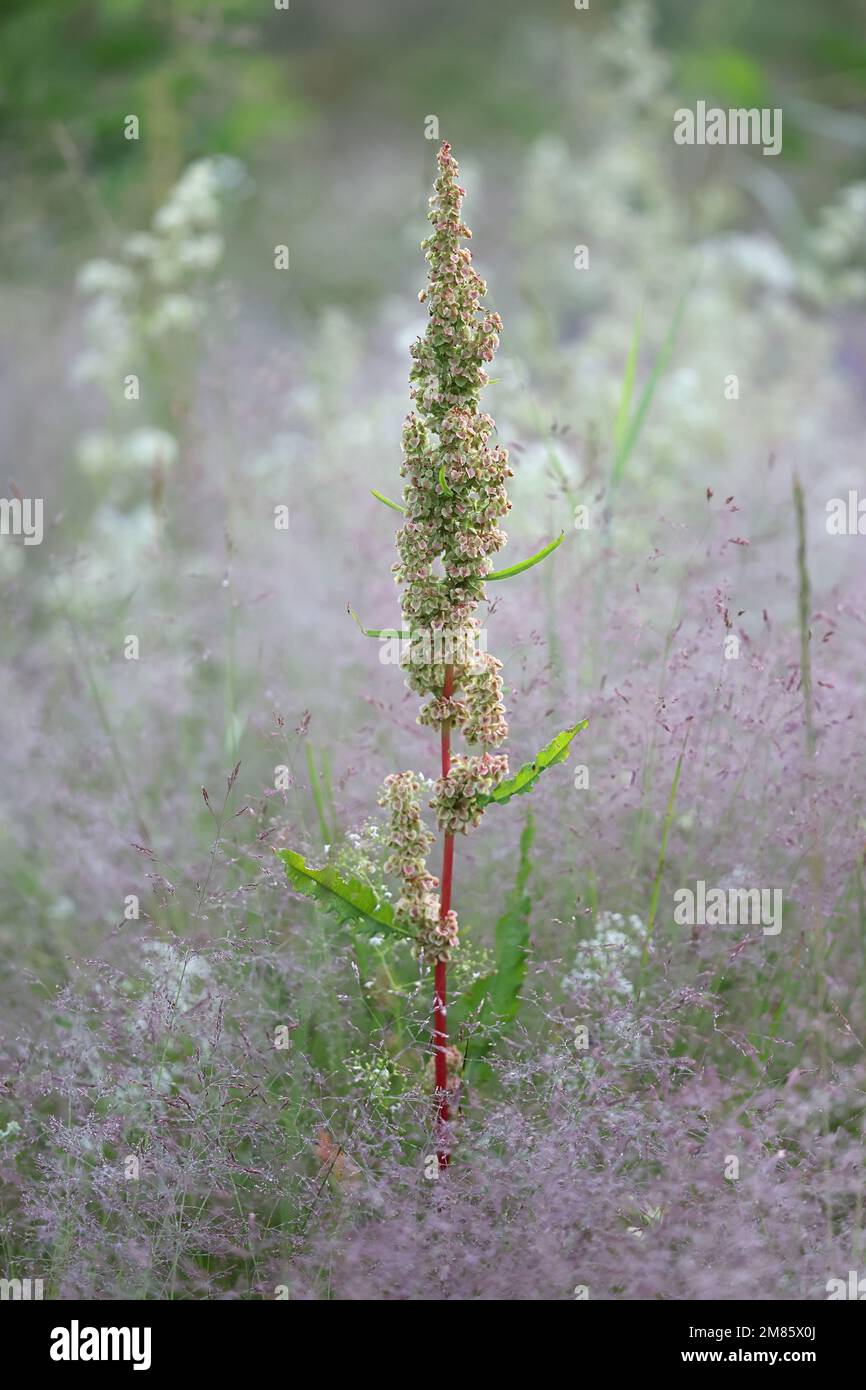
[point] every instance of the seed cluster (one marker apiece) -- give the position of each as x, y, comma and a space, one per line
409, 839
455, 796
454, 495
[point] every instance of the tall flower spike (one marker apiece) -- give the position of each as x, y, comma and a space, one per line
455, 494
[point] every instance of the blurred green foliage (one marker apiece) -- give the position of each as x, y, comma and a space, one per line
243, 78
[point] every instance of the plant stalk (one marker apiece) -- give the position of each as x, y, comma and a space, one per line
440, 1024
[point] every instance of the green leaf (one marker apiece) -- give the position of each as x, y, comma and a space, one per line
492, 1001
352, 902
734, 77
380, 497
527, 564
512, 936
469, 1002
376, 631
523, 781
443, 481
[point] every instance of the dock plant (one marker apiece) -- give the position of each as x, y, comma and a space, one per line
454, 497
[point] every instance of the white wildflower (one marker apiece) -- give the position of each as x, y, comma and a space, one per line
97, 452
754, 258
149, 448
105, 277
174, 313
141, 246
201, 252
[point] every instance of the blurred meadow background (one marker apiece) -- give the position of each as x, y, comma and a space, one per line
155, 1140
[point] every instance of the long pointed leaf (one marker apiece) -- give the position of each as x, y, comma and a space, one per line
493, 1000
380, 497
556, 751
376, 631
512, 936
352, 902
527, 564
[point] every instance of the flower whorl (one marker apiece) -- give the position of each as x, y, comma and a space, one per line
457, 808
408, 839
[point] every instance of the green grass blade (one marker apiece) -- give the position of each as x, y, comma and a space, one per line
316, 789
660, 867
328, 785
624, 411
804, 613
631, 434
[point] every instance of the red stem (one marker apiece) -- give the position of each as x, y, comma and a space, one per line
440, 1025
